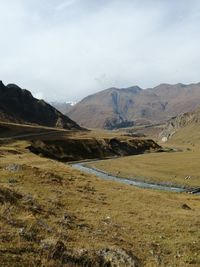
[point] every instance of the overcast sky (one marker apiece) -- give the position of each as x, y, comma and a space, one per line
66, 49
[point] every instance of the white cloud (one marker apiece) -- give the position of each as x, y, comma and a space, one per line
68, 49
38, 95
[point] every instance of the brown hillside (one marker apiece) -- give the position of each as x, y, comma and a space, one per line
115, 108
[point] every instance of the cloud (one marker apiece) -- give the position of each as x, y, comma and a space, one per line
65, 4
68, 49
38, 95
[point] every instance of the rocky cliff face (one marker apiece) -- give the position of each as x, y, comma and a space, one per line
181, 121
92, 148
115, 108
17, 105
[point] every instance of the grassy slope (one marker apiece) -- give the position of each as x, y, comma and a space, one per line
151, 224
169, 168
187, 137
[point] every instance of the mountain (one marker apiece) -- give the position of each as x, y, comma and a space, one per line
188, 124
115, 108
63, 107
18, 105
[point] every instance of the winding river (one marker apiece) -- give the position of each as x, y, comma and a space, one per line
134, 182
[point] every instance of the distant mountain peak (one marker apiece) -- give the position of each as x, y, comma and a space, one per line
134, 89
71, 103
114, 107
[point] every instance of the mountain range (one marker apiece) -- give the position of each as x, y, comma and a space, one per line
63, 107
18, 105
115, 108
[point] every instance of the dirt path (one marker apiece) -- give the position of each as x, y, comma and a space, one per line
28, 135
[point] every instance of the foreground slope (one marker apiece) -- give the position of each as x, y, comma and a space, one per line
114, 108
17, 105
51, 215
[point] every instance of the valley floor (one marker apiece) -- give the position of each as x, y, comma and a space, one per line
48, 209
171, 168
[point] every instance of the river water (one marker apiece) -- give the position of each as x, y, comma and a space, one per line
134, 182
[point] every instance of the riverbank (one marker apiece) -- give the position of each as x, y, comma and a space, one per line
179, 169
134, 181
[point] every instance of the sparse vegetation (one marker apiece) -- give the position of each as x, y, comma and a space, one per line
52, 215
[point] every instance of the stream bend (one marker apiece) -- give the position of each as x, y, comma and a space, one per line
134, 181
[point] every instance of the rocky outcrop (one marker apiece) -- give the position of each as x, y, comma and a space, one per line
17, 105
102, 258
116, 108
176, 123
90, 148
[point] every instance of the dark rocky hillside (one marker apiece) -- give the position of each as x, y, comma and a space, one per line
116, 108
18, 105
92, 148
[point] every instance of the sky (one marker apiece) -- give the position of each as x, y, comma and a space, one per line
64, 50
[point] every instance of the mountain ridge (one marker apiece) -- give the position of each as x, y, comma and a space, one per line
18, 105
114, 107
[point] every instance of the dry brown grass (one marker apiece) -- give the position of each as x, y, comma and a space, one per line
168, 168
187, 137
59, 203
